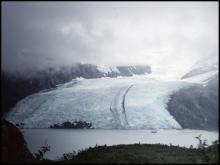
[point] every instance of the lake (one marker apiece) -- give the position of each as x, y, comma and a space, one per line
68, 140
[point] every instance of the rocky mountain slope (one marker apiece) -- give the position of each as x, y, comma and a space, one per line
197, 106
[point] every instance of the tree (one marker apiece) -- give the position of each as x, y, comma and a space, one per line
202, 143
41, 152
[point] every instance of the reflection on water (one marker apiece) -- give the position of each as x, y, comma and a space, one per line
65, 140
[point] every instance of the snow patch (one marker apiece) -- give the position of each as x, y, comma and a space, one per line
201, 78
106, 69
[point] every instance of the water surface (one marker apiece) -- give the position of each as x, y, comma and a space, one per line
67, 140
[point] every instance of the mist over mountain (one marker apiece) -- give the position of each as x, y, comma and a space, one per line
170, 37
202, 66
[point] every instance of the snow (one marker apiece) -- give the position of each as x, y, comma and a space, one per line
201, 78
205, 64
106, 69
122, 102
114, 69
149, 106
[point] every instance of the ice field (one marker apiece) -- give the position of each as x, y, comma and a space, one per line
122, 102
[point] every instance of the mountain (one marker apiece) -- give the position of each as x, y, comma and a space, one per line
16, 87
125, 70
197, 105
127, 102
201, 71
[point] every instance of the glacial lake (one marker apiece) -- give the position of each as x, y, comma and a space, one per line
68, 140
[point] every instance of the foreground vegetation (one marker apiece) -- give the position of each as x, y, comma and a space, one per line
14, 150
144, 153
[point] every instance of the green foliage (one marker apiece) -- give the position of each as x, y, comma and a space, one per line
41, 152
68, 156
202, 143
212, 152
142, 154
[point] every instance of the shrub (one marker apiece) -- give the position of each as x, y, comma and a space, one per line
41, 152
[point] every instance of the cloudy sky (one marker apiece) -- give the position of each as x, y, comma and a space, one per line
170, 36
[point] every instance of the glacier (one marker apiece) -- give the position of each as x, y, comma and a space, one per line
137, 102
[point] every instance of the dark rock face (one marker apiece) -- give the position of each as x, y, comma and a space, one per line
14, 88
196, 107
14, 149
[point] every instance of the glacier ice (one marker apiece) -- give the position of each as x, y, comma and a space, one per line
137, 102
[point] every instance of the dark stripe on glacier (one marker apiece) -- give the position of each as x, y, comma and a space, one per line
123, 103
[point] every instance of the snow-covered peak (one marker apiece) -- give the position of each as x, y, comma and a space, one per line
201, 78
124, 70
201, 72
107, 69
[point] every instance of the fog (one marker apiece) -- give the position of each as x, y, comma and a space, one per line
169, 36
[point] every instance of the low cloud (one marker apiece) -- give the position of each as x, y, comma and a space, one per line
170, 36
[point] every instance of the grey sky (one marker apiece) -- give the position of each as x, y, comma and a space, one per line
170, 36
